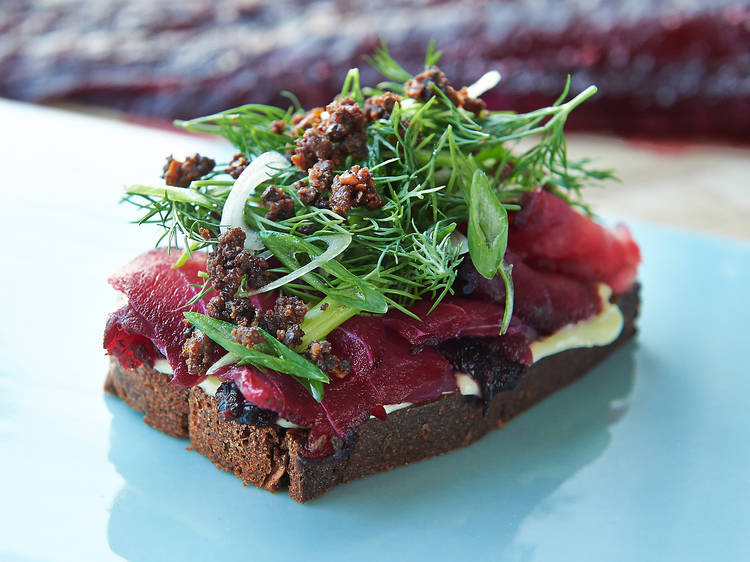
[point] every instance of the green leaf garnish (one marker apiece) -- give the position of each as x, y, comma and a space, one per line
269, 354
488, 226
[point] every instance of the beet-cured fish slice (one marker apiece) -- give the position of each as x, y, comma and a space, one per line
451, 318
158, 293
127, 336
545, 301
404, 376
548, 234
273, 391
360, 340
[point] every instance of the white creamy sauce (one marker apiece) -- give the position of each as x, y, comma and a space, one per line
287, 424
466, 385
602, 329
393, 407
163, 366
210, 385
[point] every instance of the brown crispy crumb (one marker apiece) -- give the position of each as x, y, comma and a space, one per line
227, 264
422, 86
237, 310
340, 133
248, 336
278, 127
309, 119
284, 319
474, 105
198, 352
381, 107
319, 352
354, 188
205, 233
320, 178
180, 174
237, 165
217, 308
280, 205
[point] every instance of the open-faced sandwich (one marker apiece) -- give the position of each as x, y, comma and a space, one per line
367, 284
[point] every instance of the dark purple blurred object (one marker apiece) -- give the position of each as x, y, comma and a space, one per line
672, 68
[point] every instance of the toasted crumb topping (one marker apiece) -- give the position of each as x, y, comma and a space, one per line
320, 353
339, 132
354, 188
248, 336
381, 107
237, 165
284, 319
198, 352
229, 262
320, 179
280, 205
180, 174
422, 87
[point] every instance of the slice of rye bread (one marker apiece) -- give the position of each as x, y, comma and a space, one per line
147, 390
271, 457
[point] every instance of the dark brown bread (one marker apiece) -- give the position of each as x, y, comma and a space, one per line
270, 457
147, 390
257, 456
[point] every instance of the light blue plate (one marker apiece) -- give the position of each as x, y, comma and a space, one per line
647, 458
644, 459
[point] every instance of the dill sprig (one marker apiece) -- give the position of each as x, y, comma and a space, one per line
438, 168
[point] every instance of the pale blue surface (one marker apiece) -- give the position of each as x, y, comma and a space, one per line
645, 459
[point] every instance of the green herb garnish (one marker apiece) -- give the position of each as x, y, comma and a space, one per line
436, 167
269, 354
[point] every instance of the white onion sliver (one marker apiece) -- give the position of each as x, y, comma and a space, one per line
458, 240
488, 81
233, 214
337, 243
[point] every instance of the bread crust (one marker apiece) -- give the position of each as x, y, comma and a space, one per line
271, 457
147, 390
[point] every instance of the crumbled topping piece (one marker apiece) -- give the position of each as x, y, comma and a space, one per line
474, 105
278, 127
422, 87
248, 336
381, 107
229, 262
284, 319
237, 165
180, 174
320, 178
237, 310
319, 352
354, 188
341, 131
280, 205
309, 119
198, 352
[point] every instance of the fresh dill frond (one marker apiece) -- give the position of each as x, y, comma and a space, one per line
437, 167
